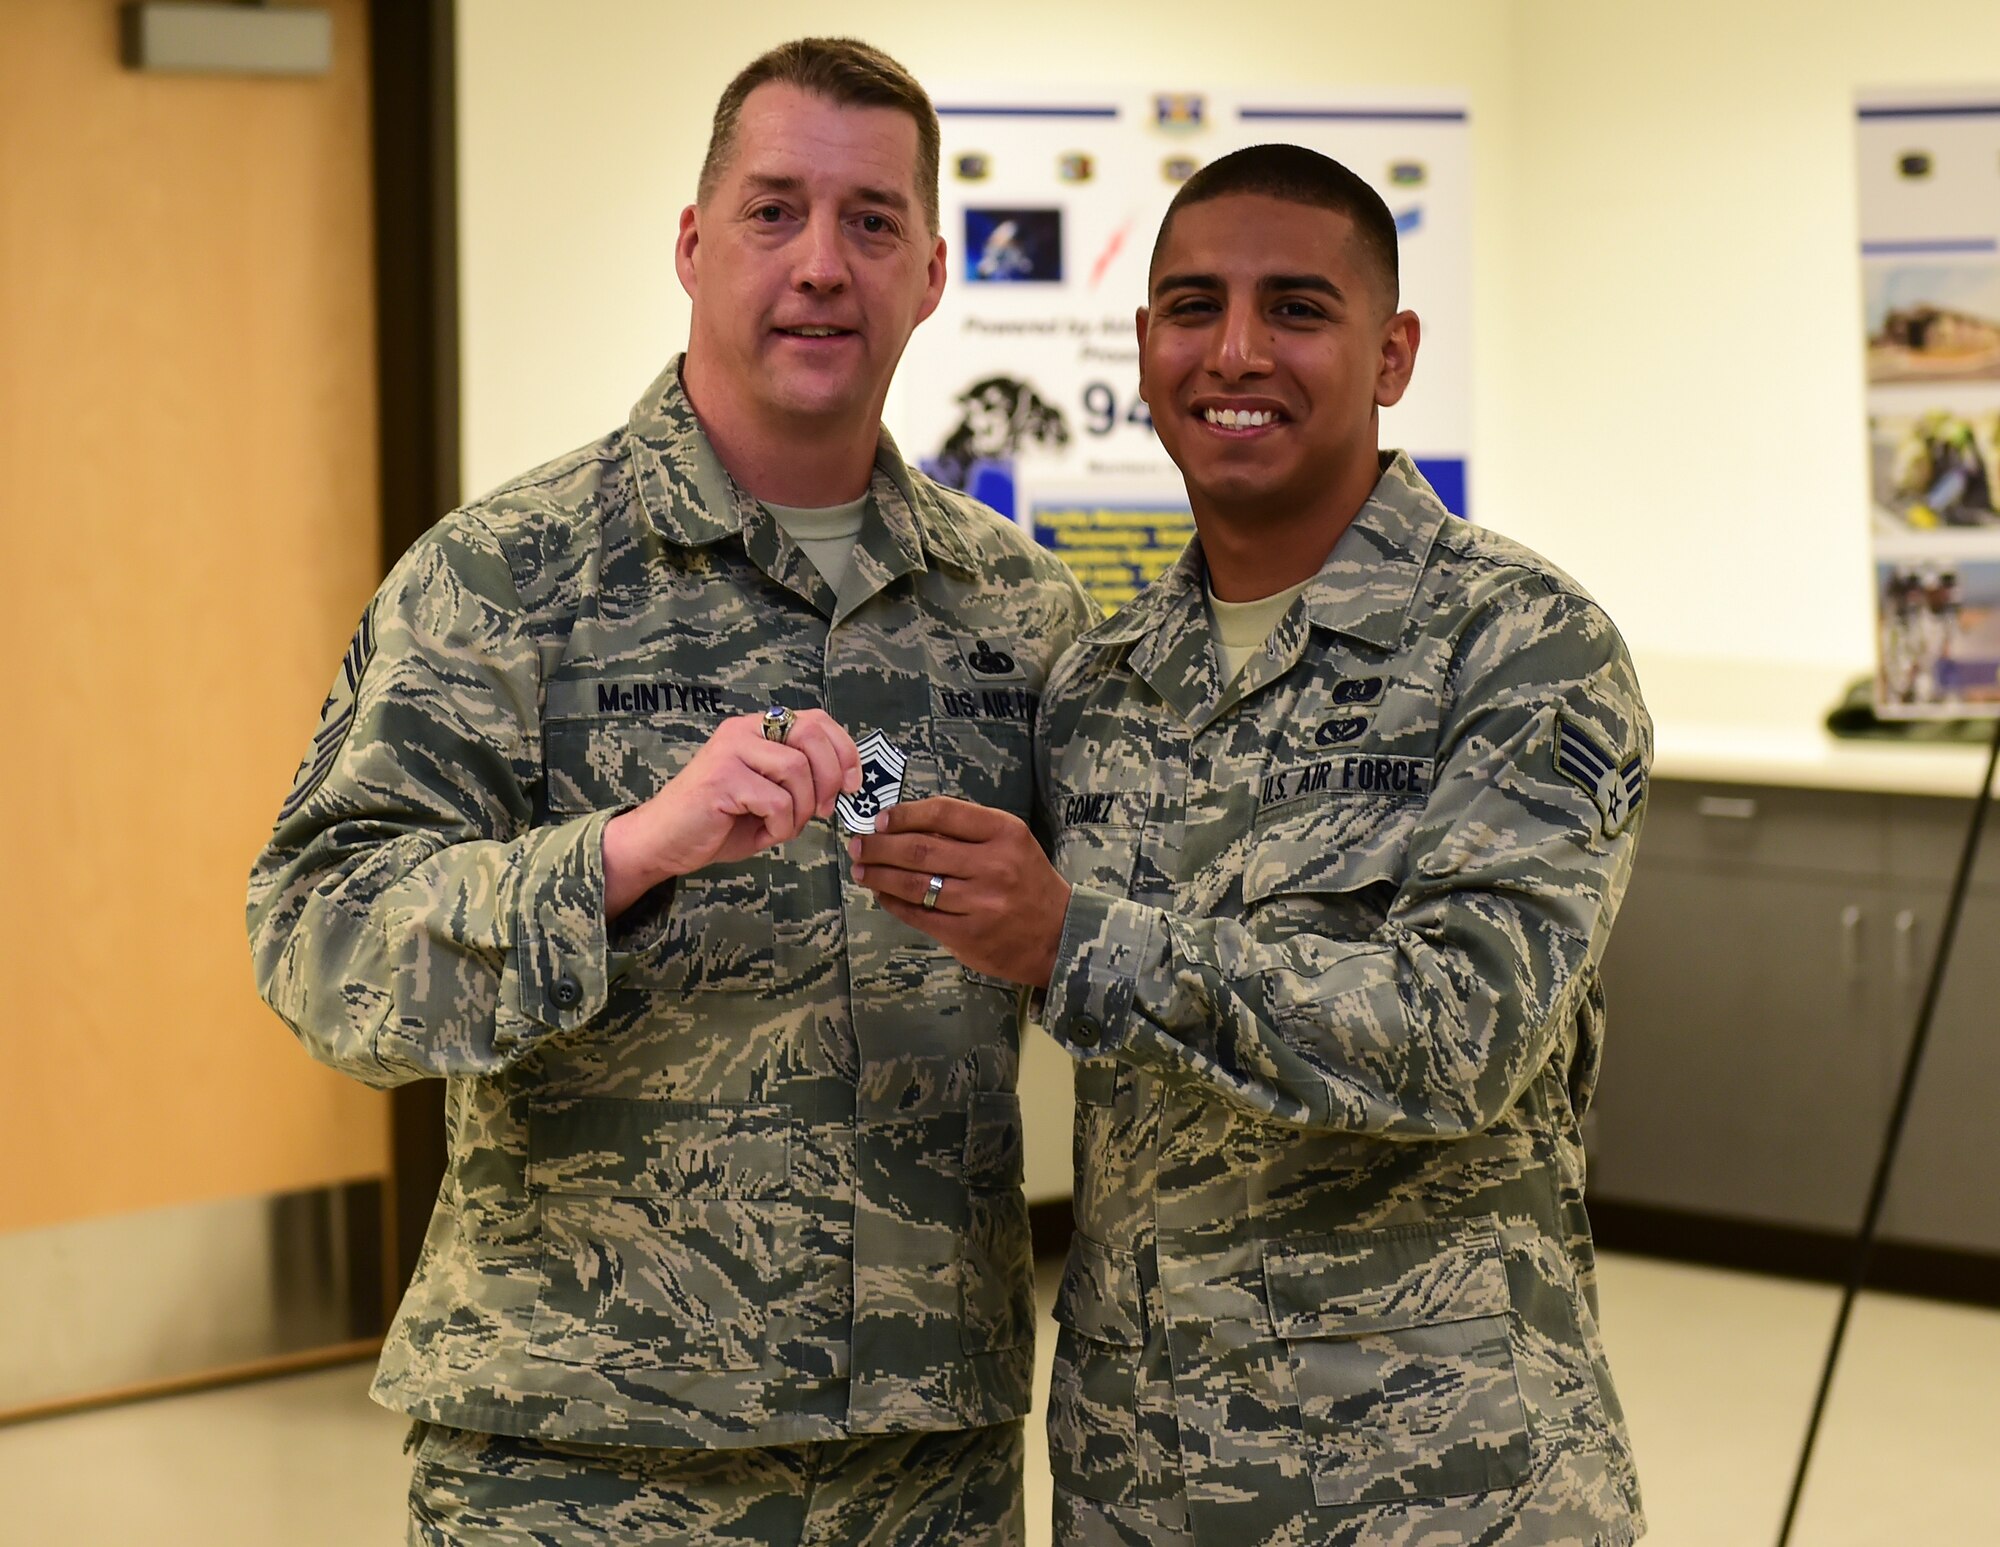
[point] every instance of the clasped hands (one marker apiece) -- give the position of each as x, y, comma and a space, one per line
1001, 905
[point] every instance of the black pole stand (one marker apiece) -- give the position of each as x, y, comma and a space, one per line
1864, 1246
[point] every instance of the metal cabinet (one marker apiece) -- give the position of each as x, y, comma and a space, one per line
1763, 980
1947, 1184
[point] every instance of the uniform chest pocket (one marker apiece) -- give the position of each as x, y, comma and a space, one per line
1402, 1347
1326, 867
721, 929
988, 762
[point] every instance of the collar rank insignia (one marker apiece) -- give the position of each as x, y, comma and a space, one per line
881, 784
1615, 788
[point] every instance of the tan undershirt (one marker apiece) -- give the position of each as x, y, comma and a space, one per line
1242, 627
827, 534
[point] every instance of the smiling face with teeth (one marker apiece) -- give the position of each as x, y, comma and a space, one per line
809, 263
1267, 350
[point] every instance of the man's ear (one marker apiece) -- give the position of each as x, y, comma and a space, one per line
933, 281
685, 243
1139, 322
1400, 336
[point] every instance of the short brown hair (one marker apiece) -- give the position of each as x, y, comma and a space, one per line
844, 71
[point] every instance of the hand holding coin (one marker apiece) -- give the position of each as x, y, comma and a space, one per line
746, 789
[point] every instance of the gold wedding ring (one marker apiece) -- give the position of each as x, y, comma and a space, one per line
932, 891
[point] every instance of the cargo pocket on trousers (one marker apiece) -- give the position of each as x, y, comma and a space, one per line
1094, 1390
658, 1224
996, 1262
1400, 1341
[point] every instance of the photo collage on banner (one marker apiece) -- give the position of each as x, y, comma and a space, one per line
1930, 267
1022, 389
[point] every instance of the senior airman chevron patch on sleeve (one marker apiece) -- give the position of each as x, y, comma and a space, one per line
1616, 788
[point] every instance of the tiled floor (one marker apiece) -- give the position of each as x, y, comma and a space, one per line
1717, 1371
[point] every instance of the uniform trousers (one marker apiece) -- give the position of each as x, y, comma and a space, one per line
1129, 1490
946, 1488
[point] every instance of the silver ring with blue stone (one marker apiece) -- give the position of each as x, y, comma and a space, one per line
778, 722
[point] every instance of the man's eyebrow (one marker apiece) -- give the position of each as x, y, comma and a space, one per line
765, 182
1318, 284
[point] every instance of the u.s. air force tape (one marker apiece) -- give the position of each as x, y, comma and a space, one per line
1360, 773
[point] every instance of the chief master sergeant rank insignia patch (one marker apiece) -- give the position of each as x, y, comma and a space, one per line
881, 784
1615, 788
335, 715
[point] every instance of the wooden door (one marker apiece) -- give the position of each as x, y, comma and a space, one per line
188, 531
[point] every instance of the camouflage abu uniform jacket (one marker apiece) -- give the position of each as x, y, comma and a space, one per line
743, 1168
1330, 973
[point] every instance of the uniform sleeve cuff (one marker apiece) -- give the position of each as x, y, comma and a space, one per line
1106, 942
640, 931
561, 949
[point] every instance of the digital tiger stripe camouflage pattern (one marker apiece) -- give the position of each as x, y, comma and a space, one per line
1330, 973
743, 1169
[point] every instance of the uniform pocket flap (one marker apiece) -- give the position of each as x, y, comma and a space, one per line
1346, 1286
990, 762
598, 765
670, 1149
1328, 846
993, 1145
1100, 1296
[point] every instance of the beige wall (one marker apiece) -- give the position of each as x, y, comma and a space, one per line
1667, 374
187, 475
581, 128
1680, 328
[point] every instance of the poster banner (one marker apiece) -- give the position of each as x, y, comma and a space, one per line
1930, 279
1022, 388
